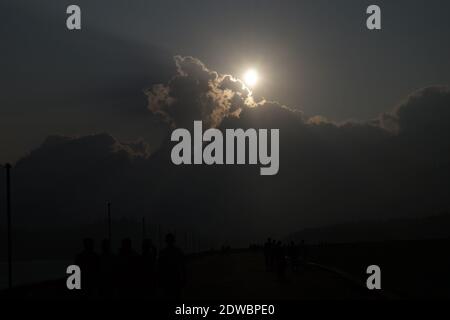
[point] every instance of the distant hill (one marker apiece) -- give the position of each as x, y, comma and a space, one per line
432, 227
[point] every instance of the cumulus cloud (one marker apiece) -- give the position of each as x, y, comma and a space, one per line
62, 155
423, 112
197, 93
396, 165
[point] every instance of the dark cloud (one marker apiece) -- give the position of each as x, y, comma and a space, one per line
69, 178
425, 112
88, 148
394, 166
197, 93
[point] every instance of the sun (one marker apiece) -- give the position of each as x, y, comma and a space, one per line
251, 77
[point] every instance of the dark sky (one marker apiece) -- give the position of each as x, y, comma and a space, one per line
316, 56
73, 104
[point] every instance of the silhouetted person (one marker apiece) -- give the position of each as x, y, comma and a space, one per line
303, 251
171, 269
280, 260
267, 254
293, 253
272, 255
107, 270
148, 267
128, 266
88, 261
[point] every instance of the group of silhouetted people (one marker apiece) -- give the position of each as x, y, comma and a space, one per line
130, 274
277, 256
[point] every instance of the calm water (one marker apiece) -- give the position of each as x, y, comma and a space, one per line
27, 272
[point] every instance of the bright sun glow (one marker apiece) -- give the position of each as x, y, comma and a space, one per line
251, 77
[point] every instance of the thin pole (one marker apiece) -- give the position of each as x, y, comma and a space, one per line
109, 221
8, 213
